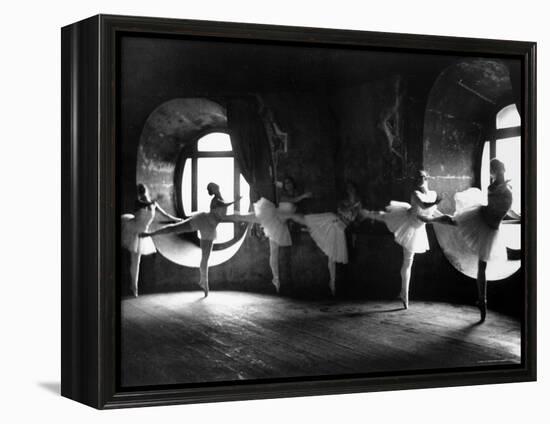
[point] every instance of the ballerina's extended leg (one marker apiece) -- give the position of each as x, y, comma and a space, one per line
273, 246
180, 227
242, 217
373, 215
439, 219
296, 217
206, 248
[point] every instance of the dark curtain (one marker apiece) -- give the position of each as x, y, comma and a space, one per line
251, 146
515, 78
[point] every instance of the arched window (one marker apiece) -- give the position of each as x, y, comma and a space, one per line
505, 144
211, 159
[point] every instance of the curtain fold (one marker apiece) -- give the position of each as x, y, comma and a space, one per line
251, 146
515, 78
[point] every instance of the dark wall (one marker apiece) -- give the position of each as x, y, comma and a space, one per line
460, 116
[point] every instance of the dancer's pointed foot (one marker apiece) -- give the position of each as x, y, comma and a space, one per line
204, 286
482, 306
405, 300
134, 291
276, 283
332, 285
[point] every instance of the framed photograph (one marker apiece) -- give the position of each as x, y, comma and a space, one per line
255, 211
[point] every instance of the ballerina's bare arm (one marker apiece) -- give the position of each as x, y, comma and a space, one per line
221, 204
296, 217
178, 227
241, 217
296, 199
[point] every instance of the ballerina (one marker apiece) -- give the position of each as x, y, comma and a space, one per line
407, 222
133, 225
205, 223
328, 230
350, 206
273, 219
478, 224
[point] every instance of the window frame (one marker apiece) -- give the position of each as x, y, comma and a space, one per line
493, 135
192, 152
501, 134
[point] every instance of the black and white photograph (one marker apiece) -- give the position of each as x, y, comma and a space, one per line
279, 212
294, 211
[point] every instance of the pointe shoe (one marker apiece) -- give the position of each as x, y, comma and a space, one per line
276, 283
404, 300
204, 286
332, 286
135, 291
482, 306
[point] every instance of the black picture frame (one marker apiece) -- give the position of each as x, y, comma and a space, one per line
89, 215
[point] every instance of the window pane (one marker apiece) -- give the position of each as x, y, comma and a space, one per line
226, 232
216, 170
245, 193
186, 187
509, 152
219, 171
508, 117
485, 174
214, 142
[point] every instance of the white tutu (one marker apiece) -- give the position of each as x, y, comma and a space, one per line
132, 226
206, 224
483, 241
408, 231
274, 225
328, 232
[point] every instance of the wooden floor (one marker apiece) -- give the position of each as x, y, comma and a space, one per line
183, 338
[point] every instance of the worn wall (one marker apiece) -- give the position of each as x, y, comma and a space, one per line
378, 147
428, 133
310, 161
459, 118
332, 136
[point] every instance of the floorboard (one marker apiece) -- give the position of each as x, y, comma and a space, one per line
179, 338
